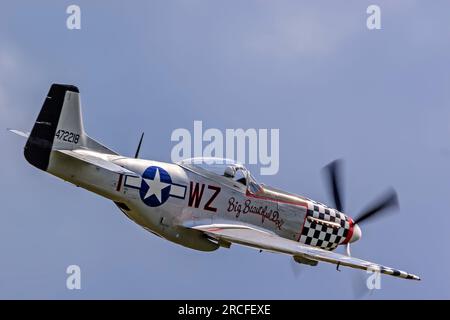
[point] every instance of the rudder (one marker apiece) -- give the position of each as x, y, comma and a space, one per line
59, 125
40, 142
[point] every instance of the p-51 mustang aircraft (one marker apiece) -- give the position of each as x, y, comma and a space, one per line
200, 203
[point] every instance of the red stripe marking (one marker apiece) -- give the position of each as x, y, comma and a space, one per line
296, 203
350, 231
303, 225
119, 183
214, 229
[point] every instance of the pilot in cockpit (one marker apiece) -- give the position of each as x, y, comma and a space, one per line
236, 174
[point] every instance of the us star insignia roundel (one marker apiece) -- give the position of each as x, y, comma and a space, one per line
155, 186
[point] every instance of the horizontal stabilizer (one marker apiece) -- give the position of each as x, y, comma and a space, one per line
96, 159
19, 133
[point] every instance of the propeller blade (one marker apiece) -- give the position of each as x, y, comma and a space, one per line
296, 268
136, 155
347, 250
359, 285
388, 201
333, 172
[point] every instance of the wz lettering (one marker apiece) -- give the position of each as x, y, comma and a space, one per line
196, 195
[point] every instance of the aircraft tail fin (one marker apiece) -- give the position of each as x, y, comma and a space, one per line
59, 126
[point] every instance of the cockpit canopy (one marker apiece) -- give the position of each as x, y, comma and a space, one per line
224, 170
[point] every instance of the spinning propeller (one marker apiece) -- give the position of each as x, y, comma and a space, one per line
333, 174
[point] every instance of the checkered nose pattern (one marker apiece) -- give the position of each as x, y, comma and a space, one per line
326, 228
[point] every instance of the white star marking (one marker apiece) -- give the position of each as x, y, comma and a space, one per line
155, 186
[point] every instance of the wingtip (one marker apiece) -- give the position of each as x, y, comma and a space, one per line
18, 132
414, 277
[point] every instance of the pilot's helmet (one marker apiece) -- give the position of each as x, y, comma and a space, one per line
230, 172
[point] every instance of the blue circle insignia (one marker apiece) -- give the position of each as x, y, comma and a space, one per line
155, 186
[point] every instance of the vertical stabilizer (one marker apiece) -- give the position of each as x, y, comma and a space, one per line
59, 126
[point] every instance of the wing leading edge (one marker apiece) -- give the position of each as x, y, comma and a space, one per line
255, 238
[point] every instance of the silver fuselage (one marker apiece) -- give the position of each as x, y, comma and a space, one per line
201, 199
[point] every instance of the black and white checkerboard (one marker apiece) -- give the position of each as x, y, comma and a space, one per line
323, 235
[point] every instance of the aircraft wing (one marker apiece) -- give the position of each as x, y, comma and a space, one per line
259, 239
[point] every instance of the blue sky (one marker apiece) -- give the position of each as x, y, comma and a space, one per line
379, 99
